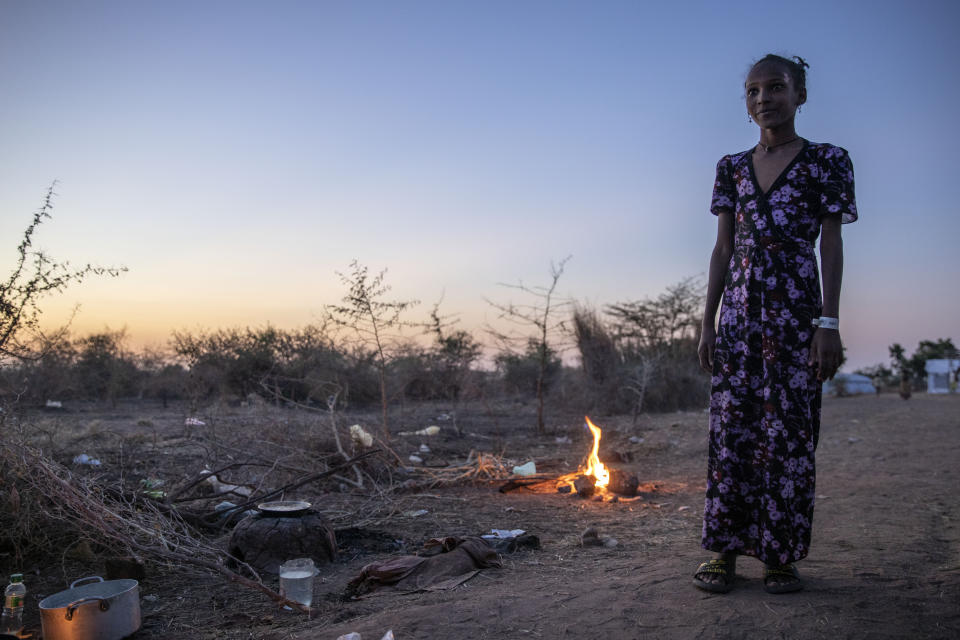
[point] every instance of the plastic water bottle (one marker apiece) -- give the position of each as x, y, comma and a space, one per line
12, 620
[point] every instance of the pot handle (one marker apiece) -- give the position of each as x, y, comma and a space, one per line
104, 604
76, 582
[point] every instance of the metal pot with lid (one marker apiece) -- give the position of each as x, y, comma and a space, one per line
101, 610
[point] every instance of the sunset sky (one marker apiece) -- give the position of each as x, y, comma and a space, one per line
235, 155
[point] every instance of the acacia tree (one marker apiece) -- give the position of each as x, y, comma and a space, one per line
374, 321
656, 339
665, 322
35, 275
539, 325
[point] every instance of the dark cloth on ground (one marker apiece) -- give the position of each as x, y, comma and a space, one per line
460, 559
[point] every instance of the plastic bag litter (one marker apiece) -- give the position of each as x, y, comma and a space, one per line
194, 422
224, 487
353, 635
85, 459
360, 436
150, 488
226, 506
429, 431
503, 534
415, 459
528, 469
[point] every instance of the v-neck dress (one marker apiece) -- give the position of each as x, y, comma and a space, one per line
765, 399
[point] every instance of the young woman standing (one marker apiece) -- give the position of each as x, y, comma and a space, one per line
778, 337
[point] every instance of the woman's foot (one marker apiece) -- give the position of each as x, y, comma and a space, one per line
717, 575
781, 578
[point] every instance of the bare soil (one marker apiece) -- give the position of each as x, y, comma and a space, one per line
885, 558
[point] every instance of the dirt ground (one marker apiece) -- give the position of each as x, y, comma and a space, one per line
885, 558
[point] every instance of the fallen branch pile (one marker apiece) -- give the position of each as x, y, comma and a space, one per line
132, 524
478, 468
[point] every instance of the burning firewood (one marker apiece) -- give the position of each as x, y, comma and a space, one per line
585, 486
623, 483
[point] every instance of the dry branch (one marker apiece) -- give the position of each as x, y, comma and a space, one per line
134, 525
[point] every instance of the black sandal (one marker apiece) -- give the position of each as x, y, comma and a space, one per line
784, 571
717, 567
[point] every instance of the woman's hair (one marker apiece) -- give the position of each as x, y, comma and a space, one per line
796, 67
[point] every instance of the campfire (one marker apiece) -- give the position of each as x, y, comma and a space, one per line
593, 479
596, 479
594, 467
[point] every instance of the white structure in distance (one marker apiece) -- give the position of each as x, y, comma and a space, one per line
942, 375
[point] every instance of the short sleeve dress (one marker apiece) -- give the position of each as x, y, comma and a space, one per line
765, 399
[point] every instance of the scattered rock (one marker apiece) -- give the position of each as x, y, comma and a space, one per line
590, 538
564, 487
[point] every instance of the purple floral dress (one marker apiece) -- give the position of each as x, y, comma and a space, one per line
765, 399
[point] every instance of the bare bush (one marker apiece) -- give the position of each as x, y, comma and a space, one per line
645, 357
35, 275
599, 359
373, 320
541, 330
657, 339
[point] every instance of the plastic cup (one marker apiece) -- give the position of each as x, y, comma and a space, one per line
296, 580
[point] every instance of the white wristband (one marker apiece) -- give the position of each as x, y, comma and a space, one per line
827, 323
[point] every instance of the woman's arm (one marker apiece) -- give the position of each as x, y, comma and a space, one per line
826, 350
719, 263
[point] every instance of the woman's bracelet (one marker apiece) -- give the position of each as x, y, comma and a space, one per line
824, 322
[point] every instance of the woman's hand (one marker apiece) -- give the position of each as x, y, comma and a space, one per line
708, 341
826, 352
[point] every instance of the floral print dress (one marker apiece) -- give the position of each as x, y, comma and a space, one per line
765, 399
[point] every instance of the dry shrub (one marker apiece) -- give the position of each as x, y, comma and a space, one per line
599, 360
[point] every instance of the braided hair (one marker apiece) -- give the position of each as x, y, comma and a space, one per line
795, 66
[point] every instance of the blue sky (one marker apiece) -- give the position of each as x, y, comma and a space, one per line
235, 155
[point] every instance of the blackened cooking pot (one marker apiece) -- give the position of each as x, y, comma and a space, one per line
102, 610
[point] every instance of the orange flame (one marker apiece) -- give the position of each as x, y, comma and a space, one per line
594, 466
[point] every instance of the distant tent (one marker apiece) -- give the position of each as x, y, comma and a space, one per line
848, 384
940, 373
